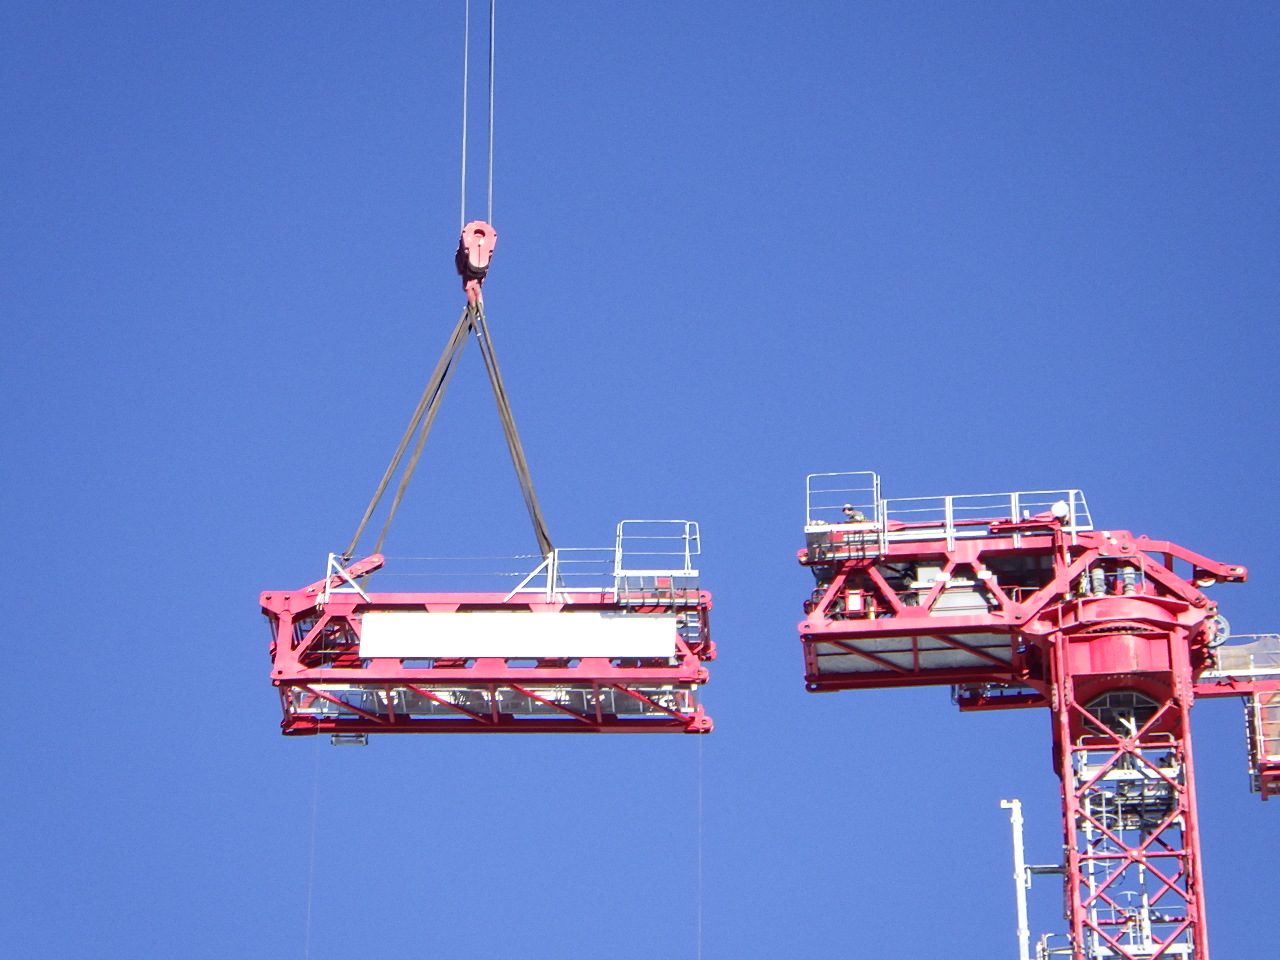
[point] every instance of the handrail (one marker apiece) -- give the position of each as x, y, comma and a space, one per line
950, 516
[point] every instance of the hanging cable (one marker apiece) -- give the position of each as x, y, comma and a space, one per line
472, 260
466, 96
489, 195
466, 74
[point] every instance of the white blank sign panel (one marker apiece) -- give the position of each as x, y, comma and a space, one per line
417, 634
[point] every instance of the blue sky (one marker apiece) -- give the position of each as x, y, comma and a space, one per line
975, 246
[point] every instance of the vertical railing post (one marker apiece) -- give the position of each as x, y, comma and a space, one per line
882, 522
328, 578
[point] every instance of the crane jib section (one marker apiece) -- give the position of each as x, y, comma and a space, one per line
1015, 600
623, 657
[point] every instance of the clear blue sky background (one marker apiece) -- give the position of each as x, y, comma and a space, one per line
975, 246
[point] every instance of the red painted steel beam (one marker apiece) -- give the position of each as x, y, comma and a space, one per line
327, 687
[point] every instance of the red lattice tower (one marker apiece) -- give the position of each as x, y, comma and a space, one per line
1015, 601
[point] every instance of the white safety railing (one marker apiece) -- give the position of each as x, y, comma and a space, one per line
569, 570
1256, 656
1053, 945
828, 497
650, 560
656, 546
1263, 714
970, 515
827, 494
653, 562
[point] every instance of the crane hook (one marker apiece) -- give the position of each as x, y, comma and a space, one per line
475, 248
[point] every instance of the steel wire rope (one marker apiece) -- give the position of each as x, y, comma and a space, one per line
489, 194
466, 74
472, 319
466, 573
517, 556
466, 93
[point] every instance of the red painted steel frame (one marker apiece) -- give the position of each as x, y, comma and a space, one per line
326, 687
1093, 620
1133, 875
1264, 741
1015, 611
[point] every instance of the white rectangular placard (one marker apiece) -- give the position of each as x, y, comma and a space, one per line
417, 634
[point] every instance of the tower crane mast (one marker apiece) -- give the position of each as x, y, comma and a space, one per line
1015, 600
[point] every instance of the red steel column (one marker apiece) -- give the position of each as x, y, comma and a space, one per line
1120, 699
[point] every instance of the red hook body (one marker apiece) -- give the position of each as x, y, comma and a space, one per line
475, 249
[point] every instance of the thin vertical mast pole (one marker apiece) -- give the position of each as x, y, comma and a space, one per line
1020, 878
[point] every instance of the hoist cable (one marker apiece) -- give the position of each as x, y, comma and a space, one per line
472, 319
512, 434
489, 195
466, 96
466, 73
430, 396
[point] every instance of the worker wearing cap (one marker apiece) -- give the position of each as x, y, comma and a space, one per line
853, 515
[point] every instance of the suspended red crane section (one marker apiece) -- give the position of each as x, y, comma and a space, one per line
541, 659
622, 654
1016, 601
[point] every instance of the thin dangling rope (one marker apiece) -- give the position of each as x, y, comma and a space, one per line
311, 866
698, 941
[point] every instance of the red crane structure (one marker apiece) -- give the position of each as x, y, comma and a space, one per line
592, 640
1014, 600
623, 653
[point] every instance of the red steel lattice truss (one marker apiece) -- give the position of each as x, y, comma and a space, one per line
327, 686
1014, 610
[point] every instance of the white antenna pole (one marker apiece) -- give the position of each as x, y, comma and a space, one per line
1021, 878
